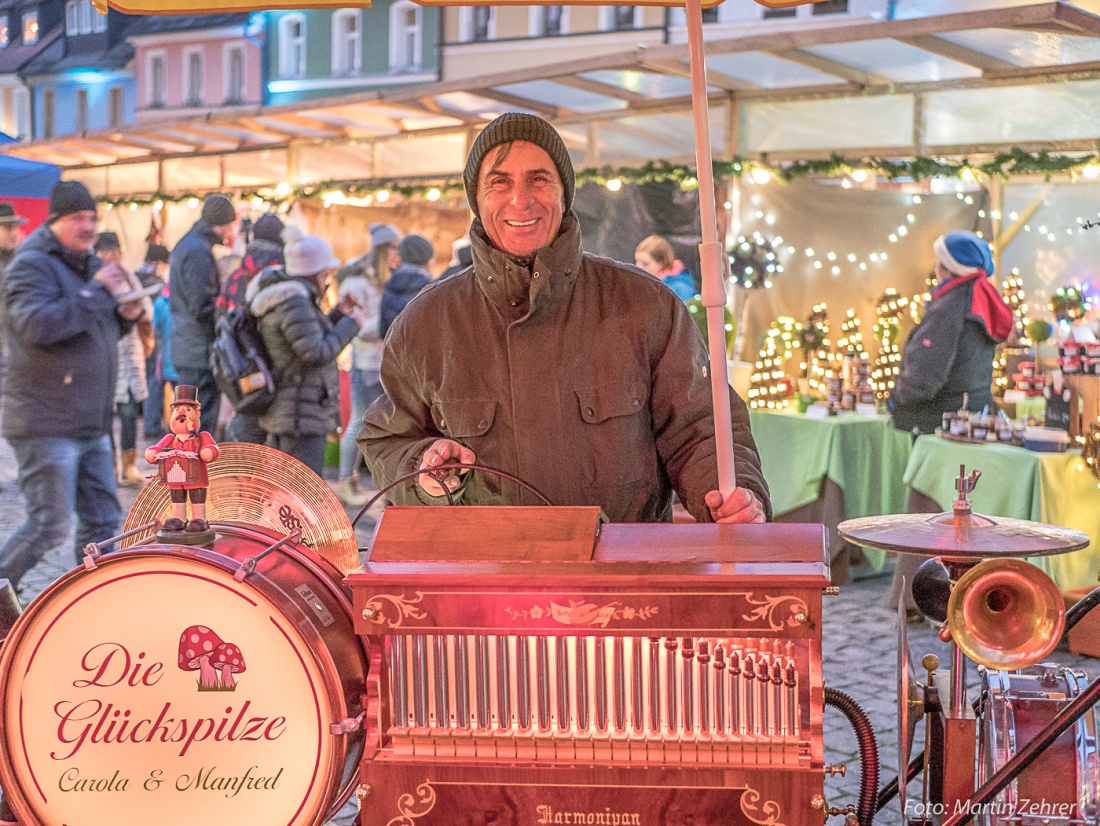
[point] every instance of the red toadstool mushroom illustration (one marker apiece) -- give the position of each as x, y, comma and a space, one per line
228, 659
197, 643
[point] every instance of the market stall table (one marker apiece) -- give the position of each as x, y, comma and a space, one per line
831, 469
1055, 488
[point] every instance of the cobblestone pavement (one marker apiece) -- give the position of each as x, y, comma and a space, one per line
860, 652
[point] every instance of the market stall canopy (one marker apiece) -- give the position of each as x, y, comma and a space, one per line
953, 84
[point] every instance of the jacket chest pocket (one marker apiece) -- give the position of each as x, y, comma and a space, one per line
616, 433
464, 419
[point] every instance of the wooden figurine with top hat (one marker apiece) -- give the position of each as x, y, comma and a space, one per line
182, 456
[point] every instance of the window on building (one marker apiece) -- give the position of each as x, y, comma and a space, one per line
99, 19
234, 75
623, 18
155, 78
82, 18
72, 17
5, 37
829, 7
480, 24
710, 15
292, 46
192, 78
80, 116
114, 100
21, 104
776, 14
552, 20
30, 27
346, 42
49, 114
405, 42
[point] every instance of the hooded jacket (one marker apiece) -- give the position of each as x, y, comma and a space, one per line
585, 378
259, 255
404, 285
193, 274
62, 332
303, 343
948, 354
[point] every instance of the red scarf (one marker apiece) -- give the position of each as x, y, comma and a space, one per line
987, 304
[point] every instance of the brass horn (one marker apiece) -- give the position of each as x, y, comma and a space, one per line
1006, 614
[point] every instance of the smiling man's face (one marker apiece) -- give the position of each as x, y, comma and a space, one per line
520, 198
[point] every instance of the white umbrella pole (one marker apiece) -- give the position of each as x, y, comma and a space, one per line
711, 253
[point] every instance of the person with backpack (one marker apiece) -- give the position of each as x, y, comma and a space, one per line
407, 280
303, 343
264, 250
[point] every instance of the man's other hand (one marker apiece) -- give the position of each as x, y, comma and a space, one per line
444, 452
740, 506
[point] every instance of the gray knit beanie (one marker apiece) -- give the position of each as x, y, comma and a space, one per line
218, 211
515, 126
416, 249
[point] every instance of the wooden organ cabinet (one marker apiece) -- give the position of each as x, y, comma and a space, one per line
530, 666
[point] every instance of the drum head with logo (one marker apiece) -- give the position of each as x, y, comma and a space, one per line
158, 689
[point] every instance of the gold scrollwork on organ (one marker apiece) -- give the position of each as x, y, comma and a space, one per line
667, 665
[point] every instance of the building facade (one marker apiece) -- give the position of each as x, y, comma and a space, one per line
27, 28
321, 53
190, 64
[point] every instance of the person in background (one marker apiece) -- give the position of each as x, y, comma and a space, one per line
64, 323
462, 256
165, 374
131, 387
195, 285
10, 236
365, 284
264, 250
154, 271
303, 343
583, 377
408, 279
654, 255
381, 258
949, 355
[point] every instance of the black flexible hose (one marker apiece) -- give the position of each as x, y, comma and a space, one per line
868, 752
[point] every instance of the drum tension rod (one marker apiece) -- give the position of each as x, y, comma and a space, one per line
248, 565
348, 724
93, 549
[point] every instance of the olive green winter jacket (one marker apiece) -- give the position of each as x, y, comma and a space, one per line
582, 376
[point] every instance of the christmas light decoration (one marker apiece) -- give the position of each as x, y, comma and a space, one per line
770, 386
1067, 304
887, 331
815, 344
1018, 343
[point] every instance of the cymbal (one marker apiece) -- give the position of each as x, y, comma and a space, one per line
262, 486
968, 536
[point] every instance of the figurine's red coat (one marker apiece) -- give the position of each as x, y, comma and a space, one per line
194, 469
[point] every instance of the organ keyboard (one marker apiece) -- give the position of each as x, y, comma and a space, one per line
657, 674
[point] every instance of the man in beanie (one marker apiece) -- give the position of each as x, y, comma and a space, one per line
949, 355
264, 250
410, 277
303, 343
193, 294
11, 233
584, 377
63, 327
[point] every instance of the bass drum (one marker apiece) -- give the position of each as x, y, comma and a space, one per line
1062, 786
185, 685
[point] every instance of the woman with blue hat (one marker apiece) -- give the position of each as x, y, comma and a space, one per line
949, 355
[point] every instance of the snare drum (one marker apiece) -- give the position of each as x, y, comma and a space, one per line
181, 685
1063, 784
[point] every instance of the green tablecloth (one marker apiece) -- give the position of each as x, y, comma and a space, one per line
1055, 488
864, 455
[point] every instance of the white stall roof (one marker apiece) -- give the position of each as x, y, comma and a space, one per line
950, 84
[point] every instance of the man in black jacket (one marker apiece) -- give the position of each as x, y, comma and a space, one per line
63, 329
193, 293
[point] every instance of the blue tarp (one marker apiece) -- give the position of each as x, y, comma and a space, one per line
26, 179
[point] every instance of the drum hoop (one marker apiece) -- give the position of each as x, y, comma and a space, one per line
268, 588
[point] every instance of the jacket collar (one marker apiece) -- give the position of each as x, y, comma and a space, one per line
505, 279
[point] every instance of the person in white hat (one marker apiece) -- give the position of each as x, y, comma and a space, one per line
949, 355
303, 343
